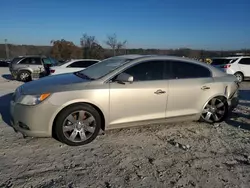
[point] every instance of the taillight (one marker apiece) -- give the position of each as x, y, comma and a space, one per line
226, 66
52, 71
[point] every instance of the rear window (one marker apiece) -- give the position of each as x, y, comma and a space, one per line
222, 61
16, 59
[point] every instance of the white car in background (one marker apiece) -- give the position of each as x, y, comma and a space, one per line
238, 66
72, 65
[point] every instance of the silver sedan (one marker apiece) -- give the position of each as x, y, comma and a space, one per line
120, 92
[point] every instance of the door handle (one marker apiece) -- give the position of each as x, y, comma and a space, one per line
159, 91
205, 87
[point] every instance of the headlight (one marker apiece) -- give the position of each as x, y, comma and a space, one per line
32, 99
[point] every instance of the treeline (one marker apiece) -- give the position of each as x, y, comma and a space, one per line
91, 48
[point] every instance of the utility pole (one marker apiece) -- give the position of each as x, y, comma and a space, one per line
6, 49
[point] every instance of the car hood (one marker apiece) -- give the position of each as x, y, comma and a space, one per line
51, 84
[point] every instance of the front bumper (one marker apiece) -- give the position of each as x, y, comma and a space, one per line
34, 121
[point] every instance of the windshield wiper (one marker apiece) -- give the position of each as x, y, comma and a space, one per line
81, 75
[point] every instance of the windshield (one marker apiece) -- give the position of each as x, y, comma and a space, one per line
222, 61
104, 67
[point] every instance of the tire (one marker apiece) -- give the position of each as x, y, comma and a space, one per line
24, 76
239, 76
213, 109
64, 128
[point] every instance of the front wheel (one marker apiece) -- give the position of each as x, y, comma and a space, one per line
78, 125
215, 110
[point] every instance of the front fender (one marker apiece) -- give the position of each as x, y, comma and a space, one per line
104, 110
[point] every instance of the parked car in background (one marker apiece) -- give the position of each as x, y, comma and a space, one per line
4, 63
26, 68
73, 65
122, 91
238, 66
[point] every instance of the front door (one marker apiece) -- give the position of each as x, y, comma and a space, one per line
143, 99
244, 65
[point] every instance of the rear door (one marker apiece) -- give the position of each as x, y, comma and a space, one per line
244, 65
189, 88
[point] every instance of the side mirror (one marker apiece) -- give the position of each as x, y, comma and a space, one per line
123, 77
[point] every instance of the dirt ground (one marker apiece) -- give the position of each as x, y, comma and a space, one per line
188, 154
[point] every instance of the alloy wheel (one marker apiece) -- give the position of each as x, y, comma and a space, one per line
79, 126
24, 76
214, 110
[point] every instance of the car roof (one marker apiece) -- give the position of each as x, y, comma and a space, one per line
132, 56
230, 57
83, 60
30, 56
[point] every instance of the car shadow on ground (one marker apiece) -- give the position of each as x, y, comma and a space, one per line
5, 108
7, 76
240, 117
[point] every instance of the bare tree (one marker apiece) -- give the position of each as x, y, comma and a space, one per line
114, 43
87, 41
90, 47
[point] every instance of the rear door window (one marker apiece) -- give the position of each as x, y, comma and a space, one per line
186, 70
222, 61
82, 64
31, 61
89, 63
75, 64
245, 61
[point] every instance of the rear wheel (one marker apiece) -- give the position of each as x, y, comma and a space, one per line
24, 76
78, 125
239, 76
215, 110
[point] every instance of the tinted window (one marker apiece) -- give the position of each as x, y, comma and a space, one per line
245, 61
31, 61
15, 60
189, 70
82, 64
222, 61
147, 71
89, 63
